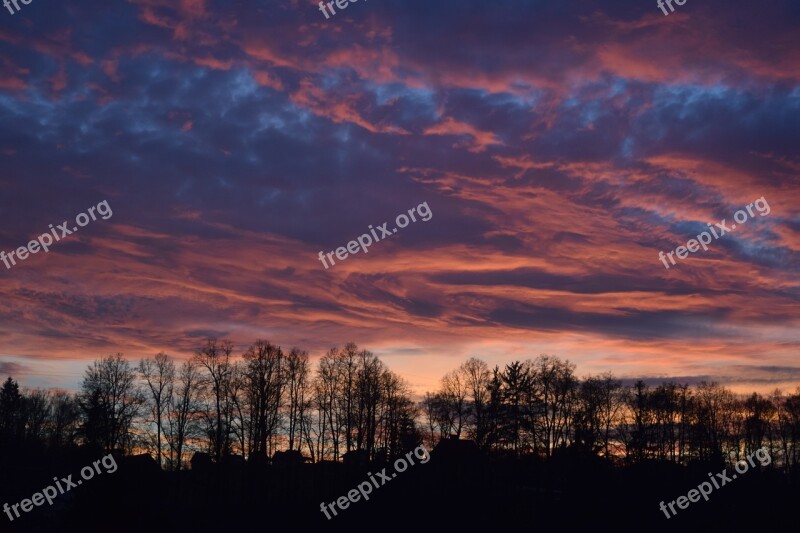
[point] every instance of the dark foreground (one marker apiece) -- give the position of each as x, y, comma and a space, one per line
565, 493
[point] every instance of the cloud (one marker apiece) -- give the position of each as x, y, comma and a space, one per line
14, 370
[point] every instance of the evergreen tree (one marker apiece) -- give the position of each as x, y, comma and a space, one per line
10, 412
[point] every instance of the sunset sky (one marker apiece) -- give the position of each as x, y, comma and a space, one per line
560, 145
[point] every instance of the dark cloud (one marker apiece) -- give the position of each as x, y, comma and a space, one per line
594, 283
748, 375
14, 370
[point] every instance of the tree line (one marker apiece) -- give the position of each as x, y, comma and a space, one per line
266, 400
537, 407
263, 401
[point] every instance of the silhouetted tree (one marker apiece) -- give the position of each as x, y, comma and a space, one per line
65, 412
326, 390
11, 421
297, 383
599, 404
714, 410
555, 388
159, 375
453, 402
264, 381
111, 401
37, 414
216, 360
476, 376
520, 405
181, 416
428, 408
759, 420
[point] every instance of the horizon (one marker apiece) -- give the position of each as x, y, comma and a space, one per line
418, 389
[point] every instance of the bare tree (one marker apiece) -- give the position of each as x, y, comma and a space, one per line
216, 360
37, 409
347, 374
476, 377
65, 418
297, 389
428, 408
789, 426
159, 375
326, 393
181, 413
110, 400
454, 397
397, 413
760, 415
555, 385
714, 410
265, 386
237, 398
599, 403
368, 395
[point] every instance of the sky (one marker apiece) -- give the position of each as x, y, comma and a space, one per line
560, 146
